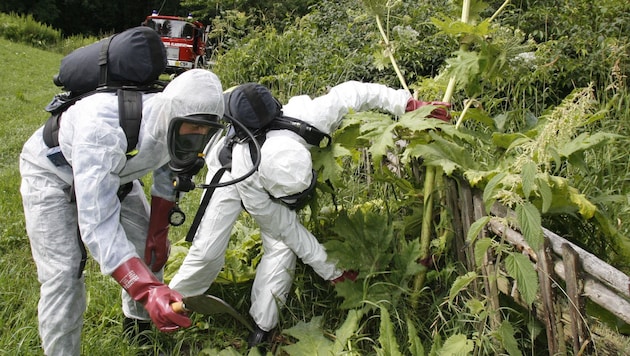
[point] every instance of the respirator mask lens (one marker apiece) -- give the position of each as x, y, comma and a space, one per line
187, 138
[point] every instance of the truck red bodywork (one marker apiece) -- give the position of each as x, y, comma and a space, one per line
184, 39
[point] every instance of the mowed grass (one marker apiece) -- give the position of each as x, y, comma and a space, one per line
26, 87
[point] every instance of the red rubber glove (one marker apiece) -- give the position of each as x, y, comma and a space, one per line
440, 113
158, 246
134, 276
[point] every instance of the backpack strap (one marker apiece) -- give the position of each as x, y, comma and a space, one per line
56, 107
130, 117
51, 131
102, 61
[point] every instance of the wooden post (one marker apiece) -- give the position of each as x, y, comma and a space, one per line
466, 205
574, 293
458, 229
489, 271
555, 334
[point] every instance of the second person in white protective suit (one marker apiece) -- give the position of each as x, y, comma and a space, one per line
77, 203
284, 175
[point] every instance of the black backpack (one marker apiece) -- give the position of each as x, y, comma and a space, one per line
128, 63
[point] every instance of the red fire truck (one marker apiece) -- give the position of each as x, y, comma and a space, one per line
184, 39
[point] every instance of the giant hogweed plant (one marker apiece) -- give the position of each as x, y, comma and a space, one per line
522, 169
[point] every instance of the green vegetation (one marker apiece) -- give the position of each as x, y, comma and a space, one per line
24, 29
542, 108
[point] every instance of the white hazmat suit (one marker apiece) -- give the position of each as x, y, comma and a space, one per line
285, 169
83, 194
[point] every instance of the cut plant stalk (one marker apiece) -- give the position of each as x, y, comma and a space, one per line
430, 177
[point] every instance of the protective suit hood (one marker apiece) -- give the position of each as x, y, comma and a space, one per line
196, 91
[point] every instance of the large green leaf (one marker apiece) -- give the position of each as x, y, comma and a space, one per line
440, 151
531, 226
365, 241
378, 129
464, 68
405, 260
567, 199
520, 268
528, 176
457, 344
586, 141
461, 283
432, 155
326, 161
311, 339
507, 140
505, 334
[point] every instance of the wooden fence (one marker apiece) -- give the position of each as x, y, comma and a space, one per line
567, 275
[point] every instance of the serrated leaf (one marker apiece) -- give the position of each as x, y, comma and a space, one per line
461, 283
387, 336
345, 332
464, 67
366, 238
406, 259
311, 339
457, 344
432, 155
381, 136
352, 295
528, 176
489, 190
545, 194
520, 268
531, 226
508, 140
475, 228
475, 306
325, 161
586, 141
481, 247
506, 336
415, 344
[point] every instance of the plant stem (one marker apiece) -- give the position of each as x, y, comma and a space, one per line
425, 234
499, 10
430, 177
390, 54
469, 102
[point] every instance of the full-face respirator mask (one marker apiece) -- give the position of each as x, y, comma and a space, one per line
187, 138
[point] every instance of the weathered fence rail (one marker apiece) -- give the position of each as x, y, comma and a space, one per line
568, 275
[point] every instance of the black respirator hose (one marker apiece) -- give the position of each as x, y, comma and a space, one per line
252, 137
214, 183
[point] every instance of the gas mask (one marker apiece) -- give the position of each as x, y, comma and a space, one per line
188, 137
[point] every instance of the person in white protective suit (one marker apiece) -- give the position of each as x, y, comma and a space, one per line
76, 205
284, 174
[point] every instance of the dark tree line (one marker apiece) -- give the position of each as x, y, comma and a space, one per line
90, 17
96, 17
